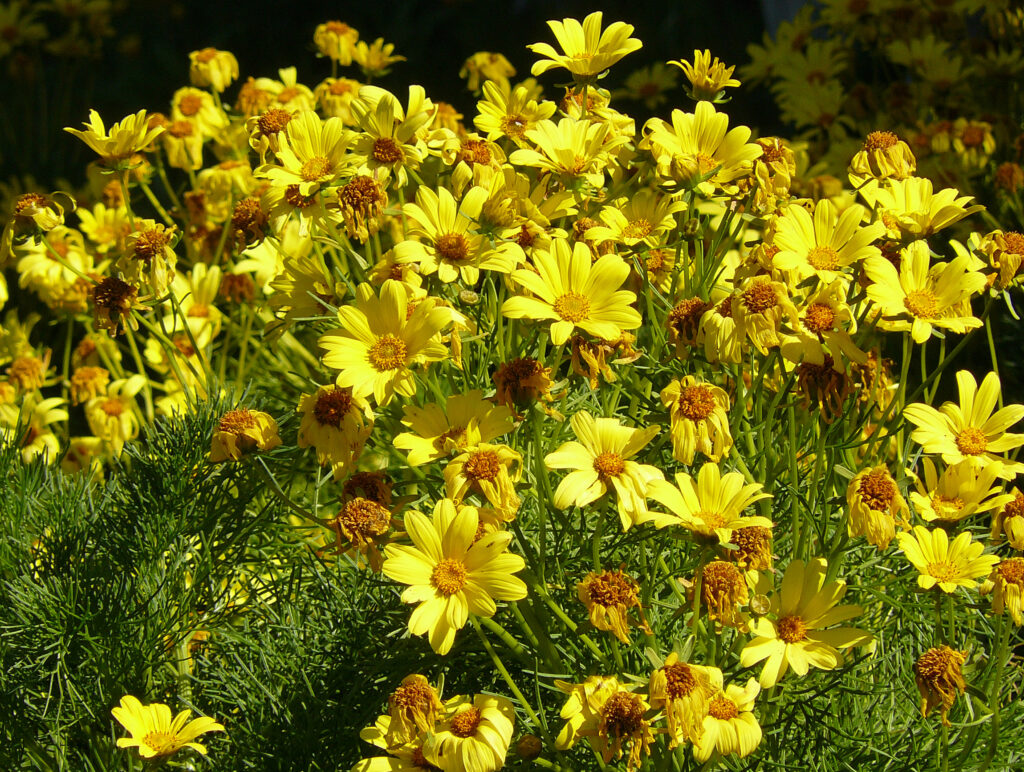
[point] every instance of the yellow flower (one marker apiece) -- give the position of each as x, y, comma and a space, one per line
114, 417
1010, 521
643, 218
571, 149
911, 210
473, 735
414, 708
942, 563
449, 575
336, 40
798, 631
723, 590
963, 490
700, 420
388, 143
510, 112
827, 245
708, 77
882, 156
34, 417
149, 257
380, 341
713, 508
487, 66
875, 503
649, 85
488, 469
730, 727
683, 691
240, 432
939, 676
601, 458
465, 421
155, 733
761, 308
375, 59
826, 320
970, 430
608, 596
587, 50
333, 422
574, 292
125, 138
312, 153
198, 108
609, 715
1007, 585
213, 68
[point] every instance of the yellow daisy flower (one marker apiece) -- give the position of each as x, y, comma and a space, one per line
609, 715
337, 424
1009, 521
35, 417
911, 209
486, 66
375, 59
336, 40
114, 417
124, 138
939, 676
882, 156
388, 143
643, 218
313, 153
380, 341
473, 735
761, 308
570, 149
574, 292
875, 506
199, 108
708, 77
970, 430
682, 690
213, 68
449, 574
1006, 583
608, 596
491, 470
730, 727
465, 421
798, 631
699, 414
962, 490
587, 49
826, 324
601, 457
942, 563
240, 432
649, 85
155, 733
827, 245
510, 112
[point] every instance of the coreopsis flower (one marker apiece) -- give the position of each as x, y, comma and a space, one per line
753, 548
609, 715
361, 527
650, 85
601, 457
28, 425
587, 49
183, 143
312, 153
730, 727
944, 564
699, 414
240, 432
570, 149
360, 202
911, 209
722, 337
798, 632
198, 108
114, 416
973, 142
388, 145
682, 690
761, 307
379, 341
826, 324
643, 218
335, 97
414, 707
448, 242
1006, 583
939, 676
883, 155
88, 383
970, 430
487, 66
520, 382
472, 735
510, 112
155, 734
922, 296
149, 257
1009, 520
710, 507
491, 470
723, 589
608, 596
337, 424
128, 136
465, 421
574, 292
336, 40
375, 59
828, 244
213, 68
962, 490
449, 574
875, 506
698, 148
708, 77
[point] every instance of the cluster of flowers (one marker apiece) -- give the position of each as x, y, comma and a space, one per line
552, 254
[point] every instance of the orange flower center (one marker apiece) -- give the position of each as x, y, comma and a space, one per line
315, 168
922, 303
482, 465
609, 464
880, 140
572, 307
971, 441
273, 121
610, 589
237, 421
878, 490
680, 680
190, 104
464, 723
161, 743
363, 519
453, 247
387, 353
823, 259
721, 707
791, 629
973, 136
112, 406
820, 317
449, 576
332, 406
760, 297
1012, 571
696, 403
942, 570
207, 55
150, 243
622, 714
1013, 242
514, 125
386, 150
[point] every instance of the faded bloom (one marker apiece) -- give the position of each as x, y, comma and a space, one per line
939, 676
240, 432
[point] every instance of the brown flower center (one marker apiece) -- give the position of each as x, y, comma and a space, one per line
623, 714
791, 629
332, 406
922, 303
475, 151
190, 104
150, 243
360, 193
880, 140
364, 519
721, 707
696, 403
453, 247
572, 307
293, 197
760, 297
112, 406
878, 490
465, 722
386, 150
315, 168
236, 421
680, 680
273, 121
514, 126
482, 465
608, 465
820, 318
971, 441
449, 576
973, 136
387, 353
611, 588
29, 201
206, 55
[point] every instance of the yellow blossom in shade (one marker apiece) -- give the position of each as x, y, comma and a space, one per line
198, 108
487, 66
912, 210
448, 243
730, 727
312, 153
336, 40
608, 596
124, 138
334, 422
587, 49
700, 149
1004, 252
644, 218
875, 506
570, 149
213, 68
973, 143
1006, 584
335, 97
183, 143
945, 564
114, 416
721, 335
961, 491
761, 308
970, 430
826, 324
939, 676
882, 156
1009, 521
510, 112
240, 432
712, 508
388, 144
699, 414
574, 292
682, 690
708, 77
28, 424
798, 632
403, 755
601, 457
609, 716
155, 734
922, 296
650, 85
149, 257
380, 340
828, 244
465, 421
375, 59
472, 734
449, 574
491, 470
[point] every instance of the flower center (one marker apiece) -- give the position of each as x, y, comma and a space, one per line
315, 168
572, 307
971, 441
464, 723
386, 150
457, 435
449, 576
453, 247
943, 570
922, 304
475, 151
1015, 508
655, 260
622, 714
363, 519
190, 104
820, 317
1013, 242
1012, 571
293, 197
637, 229
877, 490
388, 353
880, 140
679, 680
791, 629
696, 402
760, 297
150, 243
332, 406
973, 136
721, 707
514, 126
611, 588
236, 421
361, 192
29, 201
609, 464
273, 121
112, 406
482, 465
823, 259
207, 55
159, 742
